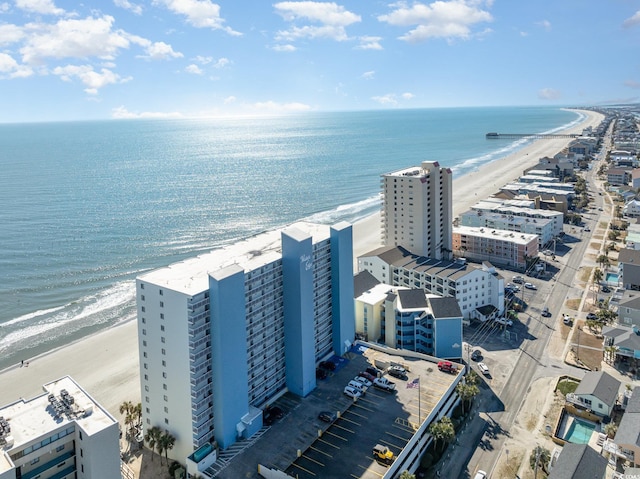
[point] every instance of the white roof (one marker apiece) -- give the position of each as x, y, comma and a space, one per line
503, 235
191, 276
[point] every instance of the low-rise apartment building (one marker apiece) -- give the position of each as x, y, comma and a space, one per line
499, 247
474, 287
544, 228
516, 208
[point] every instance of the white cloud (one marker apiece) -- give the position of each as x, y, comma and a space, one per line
440, 19
45, 7
284, 48
407, 96
89, 37
221, 63
4, 7
368, 75
194, 69
203, 60
546, 24
10, 34
199, 13
9, 68
524, 34
122, 113
91, 79
230, 99
549, 94
369, 43
160, 51
274, 107
388, 99
332, 20
632, 21
127, 5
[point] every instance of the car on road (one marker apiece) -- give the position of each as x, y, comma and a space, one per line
518, 279
484, 369
586, 228
545, 312
530, 286
352, 392
504, 321
592, 316
480, 475
328, 365
566, 319
327, 416
476, 355
271, 415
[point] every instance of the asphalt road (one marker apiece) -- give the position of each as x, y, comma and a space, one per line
491, 427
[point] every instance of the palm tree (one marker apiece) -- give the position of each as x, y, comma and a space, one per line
442, 431
466, 392
152, 437
610, 353
603, 260
407, 475
539, 458
610, 430
167, 442
597, 277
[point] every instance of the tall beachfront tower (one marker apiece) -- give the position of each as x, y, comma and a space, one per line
417, 209
222, 335
61, 433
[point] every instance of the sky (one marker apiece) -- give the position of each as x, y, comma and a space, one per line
63, 60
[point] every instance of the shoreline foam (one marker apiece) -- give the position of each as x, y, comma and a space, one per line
106, 363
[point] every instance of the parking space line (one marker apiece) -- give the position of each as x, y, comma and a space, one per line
303, 469
397, 437
358, 405
344, 428
312, 460
335, 435
349, 420
320, 451
405, 425
327, 443
354, 413
367, 470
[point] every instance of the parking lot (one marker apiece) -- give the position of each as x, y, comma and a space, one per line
304, 446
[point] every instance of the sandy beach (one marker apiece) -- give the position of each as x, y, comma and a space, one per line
106, 364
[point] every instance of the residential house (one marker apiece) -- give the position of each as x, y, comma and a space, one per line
578, 461
629, 268
635, 178
629, 309
626, 340
618, 176
561, 167
626, 442
582, 146
598, 392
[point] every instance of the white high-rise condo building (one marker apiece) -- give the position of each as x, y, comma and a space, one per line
417, 209
222, 335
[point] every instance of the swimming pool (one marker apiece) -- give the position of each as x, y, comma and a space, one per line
611, 278
579, 431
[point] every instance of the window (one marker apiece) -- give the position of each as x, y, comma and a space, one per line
166, 420
144, 354
146, 377
60, 448
141, 285
164, 351
146, 388
144, 332
146, 399
35, 461
162, 327
164, 363
142, 297
162, 339
161, 315
144, 320
160, 292
143, 309
162, 304
144, 343
166, 409
166, 398
80, 433
164, 386
164, 375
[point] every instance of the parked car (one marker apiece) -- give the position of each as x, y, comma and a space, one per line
367, 375
518, 279
504, 321
363, 380
384, 383
484, 369
586, 228
530, 286
375, 372
606, 289
476, 355
352, 392
272, 414
545, 312
447, 367
327, 416
397, 372
382, 453
321, 373
357, 385
592, 316
566, 319
480, 475
328, 365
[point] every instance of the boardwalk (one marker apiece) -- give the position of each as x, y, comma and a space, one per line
537, 136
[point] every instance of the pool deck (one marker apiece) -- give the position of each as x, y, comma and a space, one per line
568, 420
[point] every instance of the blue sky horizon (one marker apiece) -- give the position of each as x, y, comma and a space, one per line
117, 59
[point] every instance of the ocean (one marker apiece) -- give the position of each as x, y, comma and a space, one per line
88, 206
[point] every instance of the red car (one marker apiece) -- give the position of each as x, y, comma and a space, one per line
447, 367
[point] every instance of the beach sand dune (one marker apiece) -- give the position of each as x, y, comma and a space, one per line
106, 365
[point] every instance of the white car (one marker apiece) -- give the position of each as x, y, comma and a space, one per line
530, 286
352, 392
480, 475
566, 319
484, 369
504, 321
363, 380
